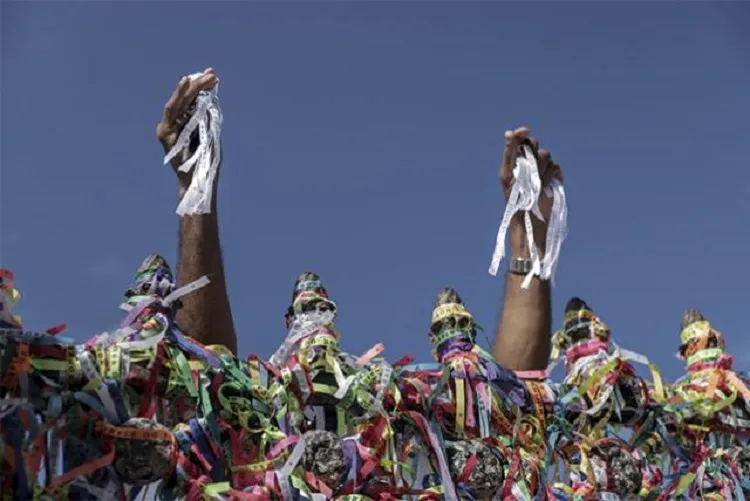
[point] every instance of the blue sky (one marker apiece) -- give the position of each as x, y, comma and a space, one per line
362, 141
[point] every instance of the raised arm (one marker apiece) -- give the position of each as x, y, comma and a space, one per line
205, 315
522, 342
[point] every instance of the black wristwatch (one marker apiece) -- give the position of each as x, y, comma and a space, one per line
520, 266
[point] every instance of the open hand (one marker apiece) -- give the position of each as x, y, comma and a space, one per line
177, 113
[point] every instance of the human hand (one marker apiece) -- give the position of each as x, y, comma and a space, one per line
177, 113
548, 170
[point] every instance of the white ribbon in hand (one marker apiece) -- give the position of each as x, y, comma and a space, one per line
205, 160
524, 197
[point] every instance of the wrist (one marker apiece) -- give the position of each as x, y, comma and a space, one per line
519, 245
519, 251
182, 188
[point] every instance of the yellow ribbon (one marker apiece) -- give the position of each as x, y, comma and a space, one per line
694, 330
449, 310
460, 405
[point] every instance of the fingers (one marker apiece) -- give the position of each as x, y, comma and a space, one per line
548, 169
513, 138
186, 92
172, 108
558, 174
544, 162
205, 82
553, 172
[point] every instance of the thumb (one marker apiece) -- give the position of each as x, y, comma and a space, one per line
513, 139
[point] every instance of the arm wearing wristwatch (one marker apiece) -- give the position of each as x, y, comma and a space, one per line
522, 340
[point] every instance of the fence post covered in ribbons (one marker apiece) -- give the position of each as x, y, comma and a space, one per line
710, 416
600, 393
340, 399
493, 439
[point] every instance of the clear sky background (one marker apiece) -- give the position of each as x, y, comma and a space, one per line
362, 141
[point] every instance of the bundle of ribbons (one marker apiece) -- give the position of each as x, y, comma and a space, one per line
146, 412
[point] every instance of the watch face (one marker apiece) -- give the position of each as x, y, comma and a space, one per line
520, 266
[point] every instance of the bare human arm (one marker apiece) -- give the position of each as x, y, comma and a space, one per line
205, 315
522, 341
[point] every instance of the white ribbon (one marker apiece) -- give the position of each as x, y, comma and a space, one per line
186, 289
524, 197
88, 366
108, 492
8, 405
557, 229
285, 472
141, 301
303, 325
205, 160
